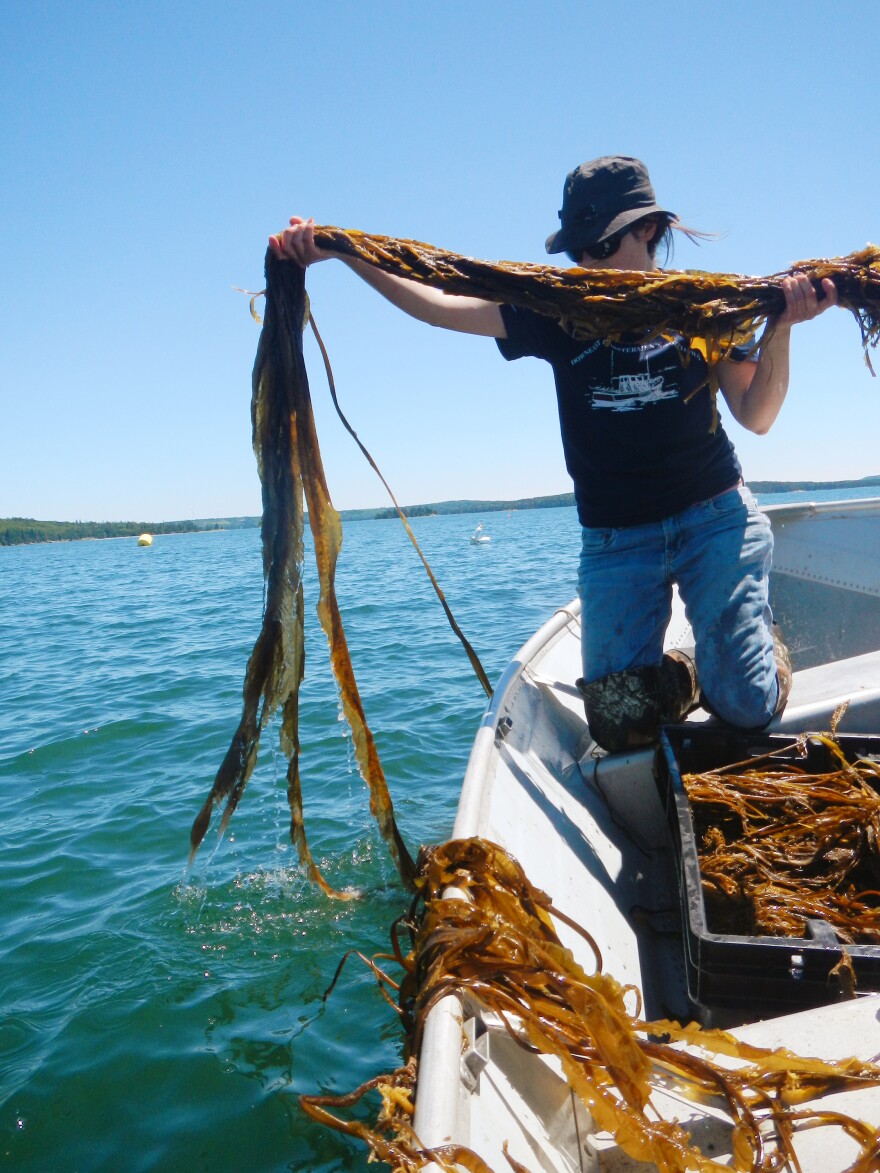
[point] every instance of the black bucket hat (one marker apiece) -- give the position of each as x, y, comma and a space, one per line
600, 198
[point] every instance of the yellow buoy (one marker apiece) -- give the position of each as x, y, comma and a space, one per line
145, 540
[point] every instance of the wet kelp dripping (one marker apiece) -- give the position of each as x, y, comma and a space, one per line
290, 468
495, 941
722, 309
779, 846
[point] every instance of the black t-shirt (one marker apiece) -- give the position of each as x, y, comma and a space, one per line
637, 447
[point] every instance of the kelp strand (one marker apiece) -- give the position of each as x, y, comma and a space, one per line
289, 464
723, 309
495, 942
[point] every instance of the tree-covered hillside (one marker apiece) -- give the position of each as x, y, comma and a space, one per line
17, 531
20, 530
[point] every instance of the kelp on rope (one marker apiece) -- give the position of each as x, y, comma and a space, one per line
480, 929
289, 463
723, 309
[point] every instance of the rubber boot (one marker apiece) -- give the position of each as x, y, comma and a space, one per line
626, 709
783, 667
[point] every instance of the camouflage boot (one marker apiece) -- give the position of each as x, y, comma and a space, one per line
626, 709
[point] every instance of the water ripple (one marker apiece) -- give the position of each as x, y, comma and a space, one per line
156, 1017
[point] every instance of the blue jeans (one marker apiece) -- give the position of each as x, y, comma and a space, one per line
719, 553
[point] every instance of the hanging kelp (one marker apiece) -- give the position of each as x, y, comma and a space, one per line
495, 941
723, 309
290, 468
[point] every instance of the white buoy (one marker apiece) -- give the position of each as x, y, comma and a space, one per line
145, 540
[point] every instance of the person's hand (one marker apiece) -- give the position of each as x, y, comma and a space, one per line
297, 243
801, 300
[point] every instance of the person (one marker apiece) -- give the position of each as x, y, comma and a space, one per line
658, 486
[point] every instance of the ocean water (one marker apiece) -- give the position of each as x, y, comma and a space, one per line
158, 1018
155, 1017
818, 495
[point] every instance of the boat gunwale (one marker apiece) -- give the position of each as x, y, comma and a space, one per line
467, 818
442, 1111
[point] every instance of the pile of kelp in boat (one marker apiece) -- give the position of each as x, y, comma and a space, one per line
495, 940
779, 845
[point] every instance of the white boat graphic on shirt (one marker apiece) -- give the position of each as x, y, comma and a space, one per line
631, 392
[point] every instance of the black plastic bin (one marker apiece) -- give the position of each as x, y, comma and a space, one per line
755, 976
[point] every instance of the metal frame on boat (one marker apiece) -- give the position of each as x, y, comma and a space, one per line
590, 829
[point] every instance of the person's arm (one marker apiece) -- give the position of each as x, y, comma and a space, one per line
469, 315
755, 392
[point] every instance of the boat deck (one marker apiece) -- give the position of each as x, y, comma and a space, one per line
590, 829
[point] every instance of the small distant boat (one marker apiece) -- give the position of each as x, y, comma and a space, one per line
145, 540
478, 537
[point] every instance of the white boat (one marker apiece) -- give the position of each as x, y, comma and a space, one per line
632, 392
591, 830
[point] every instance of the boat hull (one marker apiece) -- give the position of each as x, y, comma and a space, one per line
590, 830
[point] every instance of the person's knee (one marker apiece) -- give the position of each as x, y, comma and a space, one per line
742, 707
626, 709
752, 703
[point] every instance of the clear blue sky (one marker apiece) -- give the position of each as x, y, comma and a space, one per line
149, 148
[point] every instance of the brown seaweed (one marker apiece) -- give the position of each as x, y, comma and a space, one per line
779, 846
495, 942
289, 463
723, 309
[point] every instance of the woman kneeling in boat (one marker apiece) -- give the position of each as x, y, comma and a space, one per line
659, 493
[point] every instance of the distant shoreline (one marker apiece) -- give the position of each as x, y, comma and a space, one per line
25, 531
17, 531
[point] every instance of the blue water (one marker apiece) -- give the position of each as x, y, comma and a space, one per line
160, 1019
155, 1018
